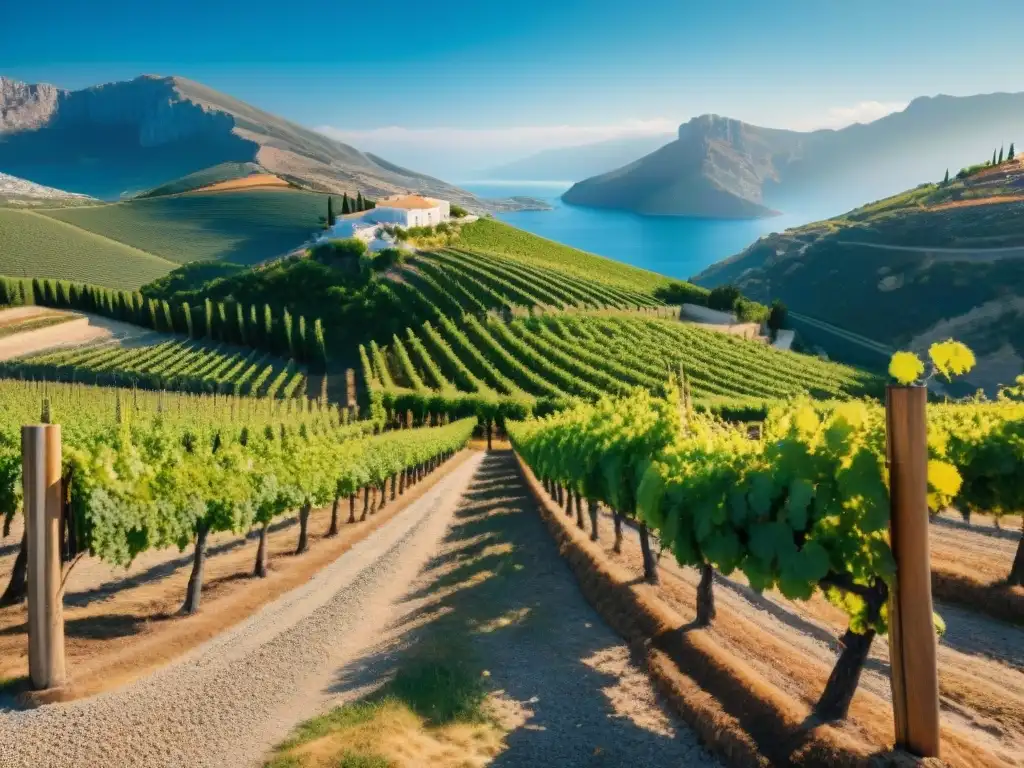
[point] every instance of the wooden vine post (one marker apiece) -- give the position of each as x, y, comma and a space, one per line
912, 643
41, 477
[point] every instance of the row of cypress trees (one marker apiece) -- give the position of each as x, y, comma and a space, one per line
228, 322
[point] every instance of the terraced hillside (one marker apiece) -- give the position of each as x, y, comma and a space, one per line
174, 364
455, 280
37, 245
244, 227
493, 237
549, 360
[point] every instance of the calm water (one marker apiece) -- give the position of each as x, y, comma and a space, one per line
675, 246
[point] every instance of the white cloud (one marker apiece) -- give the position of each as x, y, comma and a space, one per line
840, 117
530, 136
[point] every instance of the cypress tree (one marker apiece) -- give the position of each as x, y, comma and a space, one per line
5, 292
151, 306
1000, 156
186, 312
240, 322
168, 317
268, 329
302, 345
330, 211
993, 157
24, 292
254, 326
38, 296
345, 206
321, 346
360, 202
946, 180
1010, 154
288, 342
223, 331
208, 307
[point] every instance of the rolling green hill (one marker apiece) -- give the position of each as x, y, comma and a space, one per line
34, 245
244, 227
941, 260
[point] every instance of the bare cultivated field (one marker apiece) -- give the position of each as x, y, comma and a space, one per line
248, 182
83, 329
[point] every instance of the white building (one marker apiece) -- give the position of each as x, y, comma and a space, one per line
409, 211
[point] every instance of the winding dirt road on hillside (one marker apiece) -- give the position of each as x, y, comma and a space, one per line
472, 547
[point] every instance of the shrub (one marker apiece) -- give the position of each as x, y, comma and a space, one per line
387, 258
724, 298
458, 211
340, 249
777, 316
681, 293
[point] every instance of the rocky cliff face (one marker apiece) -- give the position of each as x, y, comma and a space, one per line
23, 106
152, 107
123, 138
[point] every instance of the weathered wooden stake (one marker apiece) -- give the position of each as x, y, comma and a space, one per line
41, 471
912, 643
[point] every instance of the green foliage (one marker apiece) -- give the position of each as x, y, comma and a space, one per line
346, 206
678, 292
348, 248
330, 211
387, 258
457, 211
1011, 154
804, 507
724, 298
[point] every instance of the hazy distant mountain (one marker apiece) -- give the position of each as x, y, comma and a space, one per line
573, 163
125, 137
719, 167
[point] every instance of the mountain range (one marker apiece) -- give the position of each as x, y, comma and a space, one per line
578, 162
116, 140
718, 167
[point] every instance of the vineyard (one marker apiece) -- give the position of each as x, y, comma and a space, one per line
179, 365
515, 245
801, 515
153, 470
553, 359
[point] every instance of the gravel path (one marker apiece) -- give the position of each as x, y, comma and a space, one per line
228, 701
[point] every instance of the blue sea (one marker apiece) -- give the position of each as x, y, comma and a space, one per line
675, 246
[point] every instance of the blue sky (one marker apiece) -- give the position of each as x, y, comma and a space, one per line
471, 83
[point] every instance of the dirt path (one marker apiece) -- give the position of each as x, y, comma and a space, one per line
85, 330
562, 683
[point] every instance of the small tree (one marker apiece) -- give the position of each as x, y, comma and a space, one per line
254, 327
223, 331
346, 206
1000, 156
1010, 154
993, 157
302, 345
724, 297
168, 316
330, 211
360, 203
946, 180
321, 346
